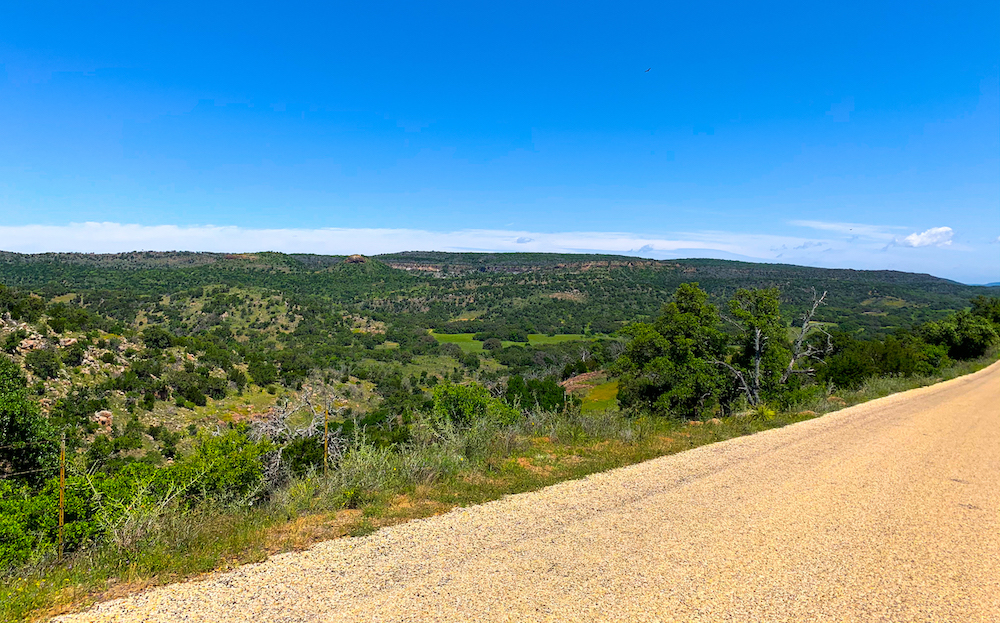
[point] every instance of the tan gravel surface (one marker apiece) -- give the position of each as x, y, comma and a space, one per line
887, 511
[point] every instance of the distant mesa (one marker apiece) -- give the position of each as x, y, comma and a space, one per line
355, 259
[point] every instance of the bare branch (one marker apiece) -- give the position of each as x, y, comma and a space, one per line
809, 352
751, 395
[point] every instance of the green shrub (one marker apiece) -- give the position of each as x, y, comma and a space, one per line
965, 334
492, 344
263, 373
534, 393
13, 340
228, 468
44, 362
463, 405
303, 454
73, 356
29, 519
156, 337
27, 440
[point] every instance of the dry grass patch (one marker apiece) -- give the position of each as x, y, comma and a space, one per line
526, 463
301, 532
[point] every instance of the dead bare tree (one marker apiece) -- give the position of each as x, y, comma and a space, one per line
801, 350
278, 426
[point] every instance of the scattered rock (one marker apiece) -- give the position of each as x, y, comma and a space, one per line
836, 400
31, 344
695, 423
104, 419
715, 421
67, 341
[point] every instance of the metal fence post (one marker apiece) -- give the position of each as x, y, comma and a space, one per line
62, 492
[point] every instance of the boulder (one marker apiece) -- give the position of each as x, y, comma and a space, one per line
715, 421
104, 419
31, 344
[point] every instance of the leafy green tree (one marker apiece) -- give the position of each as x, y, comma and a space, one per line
471, 361
262, 372
73, 356
156, 337
965, 334
761, 340
27, 441
13, 340
668, 366
492, 344
987, 307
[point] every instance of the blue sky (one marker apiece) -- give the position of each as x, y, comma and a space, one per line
850, 135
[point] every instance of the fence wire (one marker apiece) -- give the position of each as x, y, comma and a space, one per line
30, 471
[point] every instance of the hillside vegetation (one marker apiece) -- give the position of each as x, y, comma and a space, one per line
201, 394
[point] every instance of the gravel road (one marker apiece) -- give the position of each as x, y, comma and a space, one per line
887, 511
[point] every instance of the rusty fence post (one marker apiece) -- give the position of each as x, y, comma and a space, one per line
62, 492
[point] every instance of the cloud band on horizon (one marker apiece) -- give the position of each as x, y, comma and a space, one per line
866, 250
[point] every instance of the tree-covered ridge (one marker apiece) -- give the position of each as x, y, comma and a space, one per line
498, 292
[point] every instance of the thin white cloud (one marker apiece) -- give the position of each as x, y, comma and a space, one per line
935, 236
877, 232
867, 249
117, 237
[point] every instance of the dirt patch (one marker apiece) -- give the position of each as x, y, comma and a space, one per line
583, 382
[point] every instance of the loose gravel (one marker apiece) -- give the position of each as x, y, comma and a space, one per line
887, 511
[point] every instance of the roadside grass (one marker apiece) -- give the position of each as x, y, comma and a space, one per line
185, 546
372, 488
